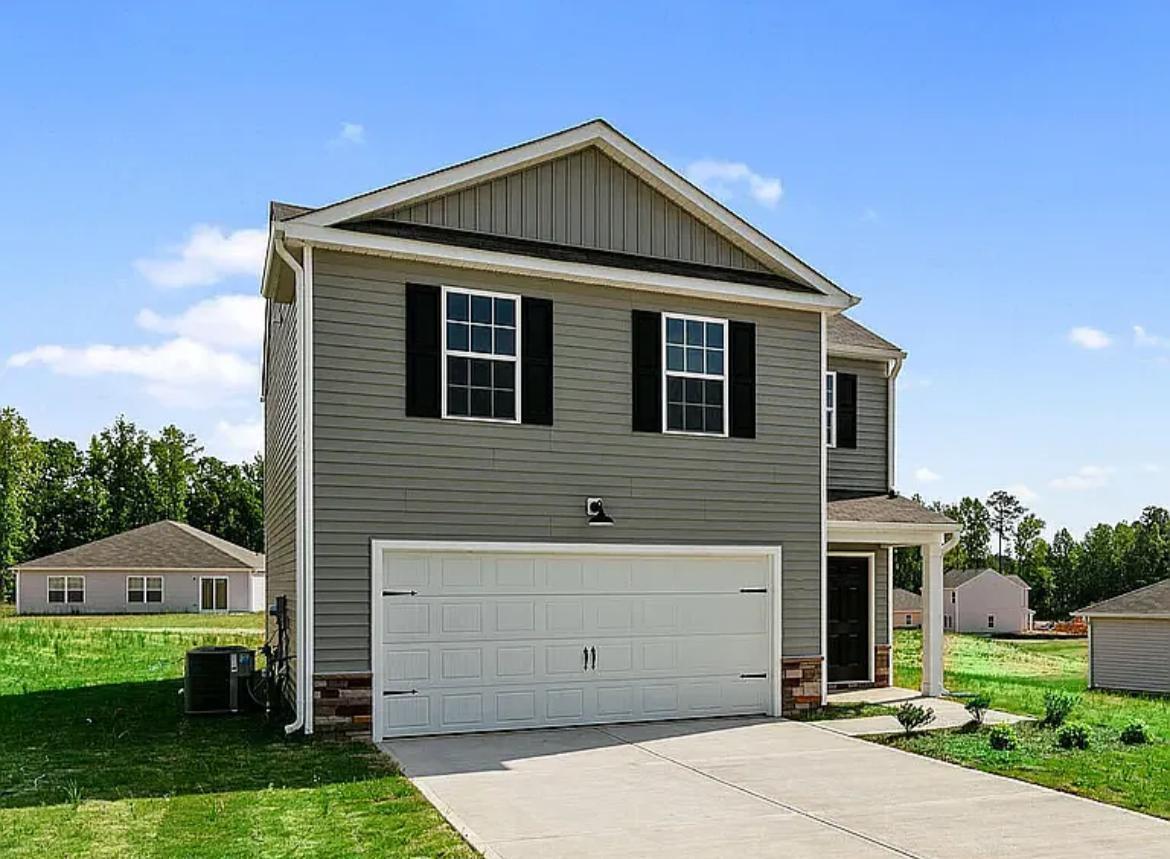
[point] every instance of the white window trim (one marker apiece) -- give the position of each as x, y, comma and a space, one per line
162, 589
705, 376
443, 352
831, 408
64, 589
227, 589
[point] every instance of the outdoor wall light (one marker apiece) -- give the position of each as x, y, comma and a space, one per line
595, 510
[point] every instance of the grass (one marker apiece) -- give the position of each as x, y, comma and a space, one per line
99, 761
1016, 674
851, 710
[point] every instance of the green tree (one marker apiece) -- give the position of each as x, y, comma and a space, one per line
1005, 511
227, 500
1064, 560
172, 463
65, 502
974, 544
908, 568
119, 459
19, 460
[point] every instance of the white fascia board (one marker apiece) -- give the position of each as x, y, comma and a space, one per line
415, 250
617, 146
1120, 615
865, 353
888, 533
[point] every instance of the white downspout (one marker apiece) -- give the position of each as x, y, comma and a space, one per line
299, 275
892, 429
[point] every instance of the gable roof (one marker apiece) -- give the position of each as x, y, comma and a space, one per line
883, 508
1152, 600
905, 600
847, 336
163, 545
958, 578
595, 133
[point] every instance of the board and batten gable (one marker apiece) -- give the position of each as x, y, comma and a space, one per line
584, 199
381, 474
866, 467
280, 457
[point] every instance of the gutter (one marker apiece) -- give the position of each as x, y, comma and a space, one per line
303, 720
895, 368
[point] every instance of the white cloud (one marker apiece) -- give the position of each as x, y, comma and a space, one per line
1086, 477
1145, 340
726, 178
231, 321
1152, 468
1022, 491
180, 372
208, 256
925, 475
1089, 338
352, 134
236, 442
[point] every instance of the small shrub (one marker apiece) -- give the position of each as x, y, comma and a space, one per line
1135, 734
1002, 738
1073, 736
912, 717
978, 706
1057, 706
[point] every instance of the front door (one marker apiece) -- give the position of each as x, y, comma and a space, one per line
213, 593
848, 619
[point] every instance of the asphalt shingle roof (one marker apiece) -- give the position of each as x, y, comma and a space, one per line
955, 578
163, 545
843, 331
905, 600
1152, 599
882, 508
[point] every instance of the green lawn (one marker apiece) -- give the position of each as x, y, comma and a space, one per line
1016, 674
97, 760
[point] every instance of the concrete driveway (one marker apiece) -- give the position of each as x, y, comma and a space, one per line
747, 788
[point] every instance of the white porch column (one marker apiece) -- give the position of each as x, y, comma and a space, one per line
932, 618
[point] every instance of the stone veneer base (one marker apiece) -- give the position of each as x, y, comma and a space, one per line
801, 684
342, 704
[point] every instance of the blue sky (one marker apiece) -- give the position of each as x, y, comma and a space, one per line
991, 179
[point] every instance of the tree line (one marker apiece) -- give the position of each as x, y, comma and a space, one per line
54, 495
1065, 574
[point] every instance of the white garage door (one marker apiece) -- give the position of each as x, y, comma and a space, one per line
523, 638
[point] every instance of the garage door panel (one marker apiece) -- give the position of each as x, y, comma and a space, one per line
485, 641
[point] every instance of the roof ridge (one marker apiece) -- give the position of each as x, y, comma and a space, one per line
1115, 597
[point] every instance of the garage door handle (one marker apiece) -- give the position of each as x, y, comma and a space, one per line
753, 590
593, 653
585, 655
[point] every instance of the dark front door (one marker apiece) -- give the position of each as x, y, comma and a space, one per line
848, 619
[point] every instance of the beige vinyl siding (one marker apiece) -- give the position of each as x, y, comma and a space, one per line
105, 592
381, 474
1132, 654
864, 469
280, 458
585, 199
881, 586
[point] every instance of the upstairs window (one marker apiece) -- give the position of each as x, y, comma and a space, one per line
991, 621
144, 589
831, 409
66, 589
695, 374
481, 355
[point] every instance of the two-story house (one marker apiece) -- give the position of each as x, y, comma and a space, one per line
553, 438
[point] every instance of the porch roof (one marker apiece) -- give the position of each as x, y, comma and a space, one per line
883, 509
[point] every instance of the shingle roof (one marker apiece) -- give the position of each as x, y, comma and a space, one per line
884, 509
955, 578
1018, 581
843, 331
278, 211
1152, 599
163, 545
905, 600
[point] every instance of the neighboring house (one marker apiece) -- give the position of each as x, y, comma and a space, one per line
553, 437
907, 609
164, 567
1129, 640
985, 602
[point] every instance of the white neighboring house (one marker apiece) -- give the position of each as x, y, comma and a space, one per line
163, 567
983, 601
1129, 640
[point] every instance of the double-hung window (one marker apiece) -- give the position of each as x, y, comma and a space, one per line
481, 355
695, 367
831, 409
66, 589
144, 589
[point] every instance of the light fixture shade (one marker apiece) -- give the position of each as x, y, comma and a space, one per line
595, 509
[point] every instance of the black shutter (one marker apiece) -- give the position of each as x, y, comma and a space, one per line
742, 362
646, 345
536, 361
423, 316
846, 410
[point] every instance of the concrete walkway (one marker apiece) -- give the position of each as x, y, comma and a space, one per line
742, 787
948, 713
